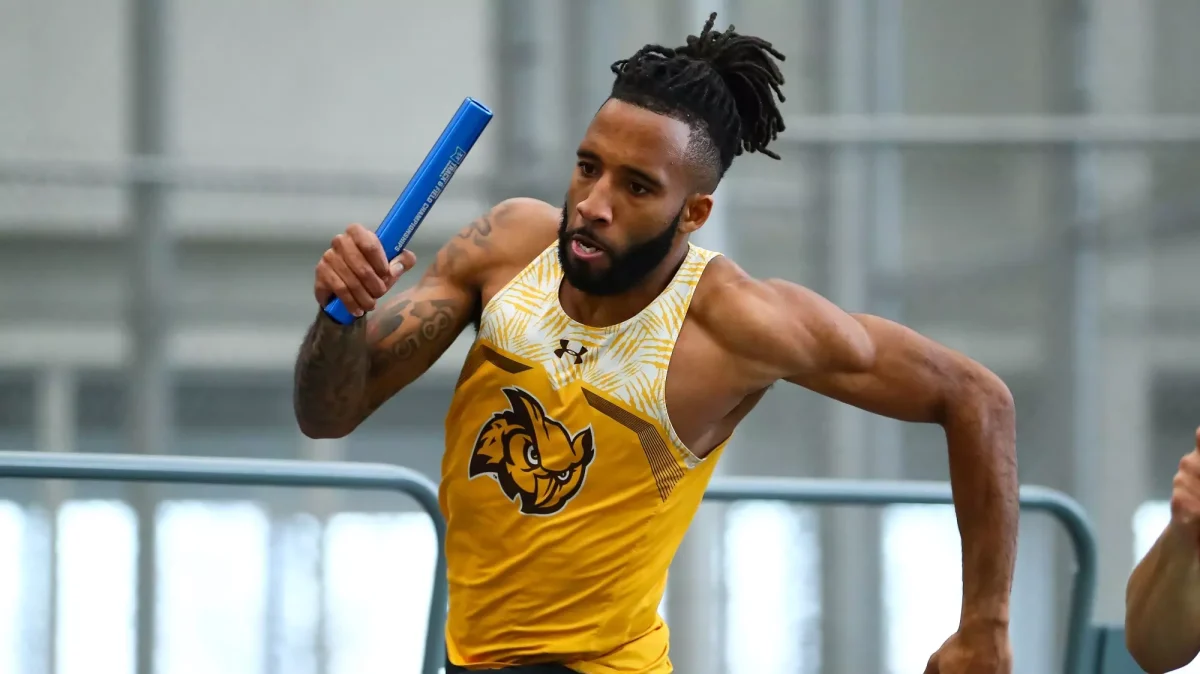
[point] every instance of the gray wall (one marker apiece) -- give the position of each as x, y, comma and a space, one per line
287, 120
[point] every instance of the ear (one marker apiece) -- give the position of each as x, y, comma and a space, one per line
527, 409
696, 210
582, 444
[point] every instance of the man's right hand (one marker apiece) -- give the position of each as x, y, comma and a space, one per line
1185, 494
355, 269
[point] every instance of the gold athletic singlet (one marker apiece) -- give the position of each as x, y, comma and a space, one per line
565, 488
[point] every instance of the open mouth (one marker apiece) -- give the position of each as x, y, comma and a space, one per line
585, 248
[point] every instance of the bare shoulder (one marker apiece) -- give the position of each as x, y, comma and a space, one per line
526, 227
508, 235
774, 328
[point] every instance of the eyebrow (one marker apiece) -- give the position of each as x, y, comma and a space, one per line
635, 172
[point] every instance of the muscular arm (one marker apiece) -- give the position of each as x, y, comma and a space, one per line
914, 379
794, 334
344, 373
1162, 603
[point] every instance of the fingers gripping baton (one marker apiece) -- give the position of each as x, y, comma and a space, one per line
426, 186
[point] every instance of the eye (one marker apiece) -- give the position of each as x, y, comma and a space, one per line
586, 168
563, 476
638, 189
531, 455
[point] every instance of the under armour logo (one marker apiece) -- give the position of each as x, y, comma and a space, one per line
564, 348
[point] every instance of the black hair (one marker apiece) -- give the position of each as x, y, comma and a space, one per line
720, 84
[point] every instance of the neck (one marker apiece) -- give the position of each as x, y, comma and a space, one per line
604, 310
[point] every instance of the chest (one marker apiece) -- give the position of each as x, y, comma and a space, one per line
658, 363
671, 374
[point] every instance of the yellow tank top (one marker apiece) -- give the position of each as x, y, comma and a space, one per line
565, 488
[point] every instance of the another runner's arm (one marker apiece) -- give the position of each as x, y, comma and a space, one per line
1162, 603
877, 365
344, 373
1162, 597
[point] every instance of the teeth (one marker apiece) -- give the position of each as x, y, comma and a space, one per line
586, 248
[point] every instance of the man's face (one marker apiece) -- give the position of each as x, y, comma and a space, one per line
606, 270
628, 205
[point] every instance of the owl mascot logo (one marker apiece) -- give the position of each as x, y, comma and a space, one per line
533, 457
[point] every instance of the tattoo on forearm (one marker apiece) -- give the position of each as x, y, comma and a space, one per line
339, 367
437, 318
330, 375
416, 326
388, 321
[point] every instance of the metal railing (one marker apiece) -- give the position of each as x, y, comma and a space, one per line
255, 473
880, 493
370, 476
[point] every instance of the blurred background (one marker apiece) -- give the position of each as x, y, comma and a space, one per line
1015, 179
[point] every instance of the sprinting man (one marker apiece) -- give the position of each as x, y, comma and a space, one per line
612, 362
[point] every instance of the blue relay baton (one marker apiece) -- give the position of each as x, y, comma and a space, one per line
426, 186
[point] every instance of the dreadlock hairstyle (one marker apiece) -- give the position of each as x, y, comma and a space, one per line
720, 84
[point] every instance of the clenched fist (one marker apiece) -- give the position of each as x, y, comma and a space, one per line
974, 649
355, 269
1185, 495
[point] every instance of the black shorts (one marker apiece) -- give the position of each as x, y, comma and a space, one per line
523, 669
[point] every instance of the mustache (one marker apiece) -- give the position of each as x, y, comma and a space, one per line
584, 235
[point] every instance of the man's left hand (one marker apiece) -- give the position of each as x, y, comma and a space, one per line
974, 650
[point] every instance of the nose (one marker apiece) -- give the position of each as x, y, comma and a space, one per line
596, 207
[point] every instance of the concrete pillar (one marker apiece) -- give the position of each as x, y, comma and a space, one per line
324, 503
1113, 452
273, 632
594, 30
520, 95
851, 542
55, 431
151, 400
885, 218
696, 602
715, 233
885, 258
1115, 479
1034, 615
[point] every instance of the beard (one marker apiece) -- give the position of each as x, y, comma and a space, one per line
626, 269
